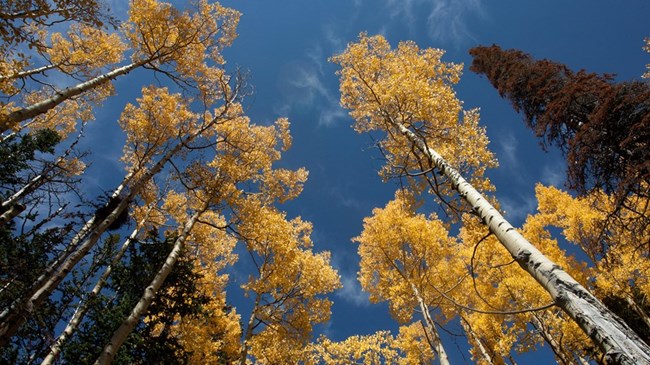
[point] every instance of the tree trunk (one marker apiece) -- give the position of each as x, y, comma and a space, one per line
433, 336
15, 117
120, 335
7, 207
555, 346
632, 303
82, 309
23, 74
617, 341
17, 313
468, 329
13, 317
250, 326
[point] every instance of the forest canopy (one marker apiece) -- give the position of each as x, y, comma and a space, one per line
150, 214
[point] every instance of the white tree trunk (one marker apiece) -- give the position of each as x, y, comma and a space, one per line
13, 317
15, 117
250, 326
17, 313
430, 327
82, 309
560, 354
23, 74
617, 341
120, 335
33, 184
468, 329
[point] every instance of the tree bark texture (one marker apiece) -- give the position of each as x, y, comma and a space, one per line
617, 341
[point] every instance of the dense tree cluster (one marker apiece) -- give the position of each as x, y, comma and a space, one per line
143, 273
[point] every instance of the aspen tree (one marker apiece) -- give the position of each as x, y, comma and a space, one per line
163, 136
288, 288
402, 254
194, 54
505, 303
620, 263
407, 93
245, 153
160, 38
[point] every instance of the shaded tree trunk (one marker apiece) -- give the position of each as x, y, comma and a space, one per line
82, 308
468, 329
430, 328
120, 335
13, 317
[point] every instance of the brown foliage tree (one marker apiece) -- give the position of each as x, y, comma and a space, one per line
603, 127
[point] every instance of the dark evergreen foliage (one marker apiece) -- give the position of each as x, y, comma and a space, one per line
151, 342
17, 152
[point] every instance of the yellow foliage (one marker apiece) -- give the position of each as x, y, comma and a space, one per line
410, 347
153, 125
157, 30
412, 87
413, 343
72, 167
375, 349
621, 265
290, 283
64, 117
85, 50
400, 249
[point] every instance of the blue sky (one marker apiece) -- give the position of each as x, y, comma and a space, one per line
285, 45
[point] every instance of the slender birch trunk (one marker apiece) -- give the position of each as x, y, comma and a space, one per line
7, 313
468, 329
120, 335
617, 341
15, 117
555, 346
18, 314
82, 308
23, 74
9, 206
433, 335
250, 326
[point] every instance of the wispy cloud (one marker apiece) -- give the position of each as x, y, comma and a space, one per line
342, 196
306, 88
352, 292
335, 41
447, 20
516, 209
553, 174
508, 145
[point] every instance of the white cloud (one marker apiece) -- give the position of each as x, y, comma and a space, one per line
343, 196
306, 87
334, 40
553, 174
516, 210
352, 292
330, 116
447, 20
508, 145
